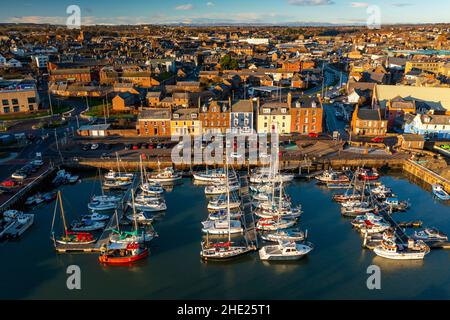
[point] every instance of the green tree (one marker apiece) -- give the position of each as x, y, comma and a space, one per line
228, 63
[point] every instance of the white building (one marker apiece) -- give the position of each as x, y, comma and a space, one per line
13, 63
256, 41
40, 61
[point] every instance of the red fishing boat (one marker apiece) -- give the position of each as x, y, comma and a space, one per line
368, 175
123, 253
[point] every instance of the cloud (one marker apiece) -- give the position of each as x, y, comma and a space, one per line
360, 4
210, 4
311, 2
400, 5
184, 7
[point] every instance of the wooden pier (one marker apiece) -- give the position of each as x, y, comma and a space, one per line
248, 219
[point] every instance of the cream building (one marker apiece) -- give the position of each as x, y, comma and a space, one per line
273, 116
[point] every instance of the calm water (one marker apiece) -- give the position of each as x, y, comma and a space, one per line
336, 269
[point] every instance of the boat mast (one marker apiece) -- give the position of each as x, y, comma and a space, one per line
228, 201
134, 210
62, 212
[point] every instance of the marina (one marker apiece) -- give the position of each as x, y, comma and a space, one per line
180, 234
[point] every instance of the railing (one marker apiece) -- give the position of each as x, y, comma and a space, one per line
24, 190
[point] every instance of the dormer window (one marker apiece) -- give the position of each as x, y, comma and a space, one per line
266, 110
176, 116
193, 116
283, 110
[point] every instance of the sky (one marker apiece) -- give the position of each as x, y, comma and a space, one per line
342, 12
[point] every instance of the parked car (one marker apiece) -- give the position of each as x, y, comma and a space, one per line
313, 135
86, 147
377, 140
128, 146
135, 147
19, 175
108, 146
95, 146
445, 146
105, 156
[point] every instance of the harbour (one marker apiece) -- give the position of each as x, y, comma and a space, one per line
337, 247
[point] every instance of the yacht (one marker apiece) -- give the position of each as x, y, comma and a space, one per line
371, 227
87, 225
117, 184
284, 251
332, 177
210, 176
152, 188
165, 176
223, 250
149, 206
390, 249
221, 203
21, 223
285, 235
430, 235
221, 215
140, 217
95, 217
396, 205
102, 205
119, 176
440, 193
222, 227
219, 188
274, 224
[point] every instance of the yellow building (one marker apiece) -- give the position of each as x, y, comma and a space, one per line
186, 121
274, 116
430, 66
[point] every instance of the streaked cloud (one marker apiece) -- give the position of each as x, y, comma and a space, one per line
360, 4
184, 7
311, 2
400, 5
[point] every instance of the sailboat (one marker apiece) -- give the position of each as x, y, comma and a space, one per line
224, 250
69, 237
136, 235
117, 179
123, 253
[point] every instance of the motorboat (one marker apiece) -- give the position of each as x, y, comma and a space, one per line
285, 235
35, 200
390, 249
106, 198
344, 197
368, 175
381, 191
440, 193
87, 225
330, 176
221, 203
122, 253
117, 184
140, 217
267, 177
165, 176
152, 188
395, 204
21, 223
430, 235
292, 213
370, 227
220, 188
119, 176
149, 206
285, 251
95, 217
370, 216
221, 215
211, 176
103, 205
222, 227
274, 224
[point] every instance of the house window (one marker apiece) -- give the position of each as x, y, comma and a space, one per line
314, 120
30, 108
265, 124
15, 101
5, 102
32, 100
306, 120
16, 108
6, 110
